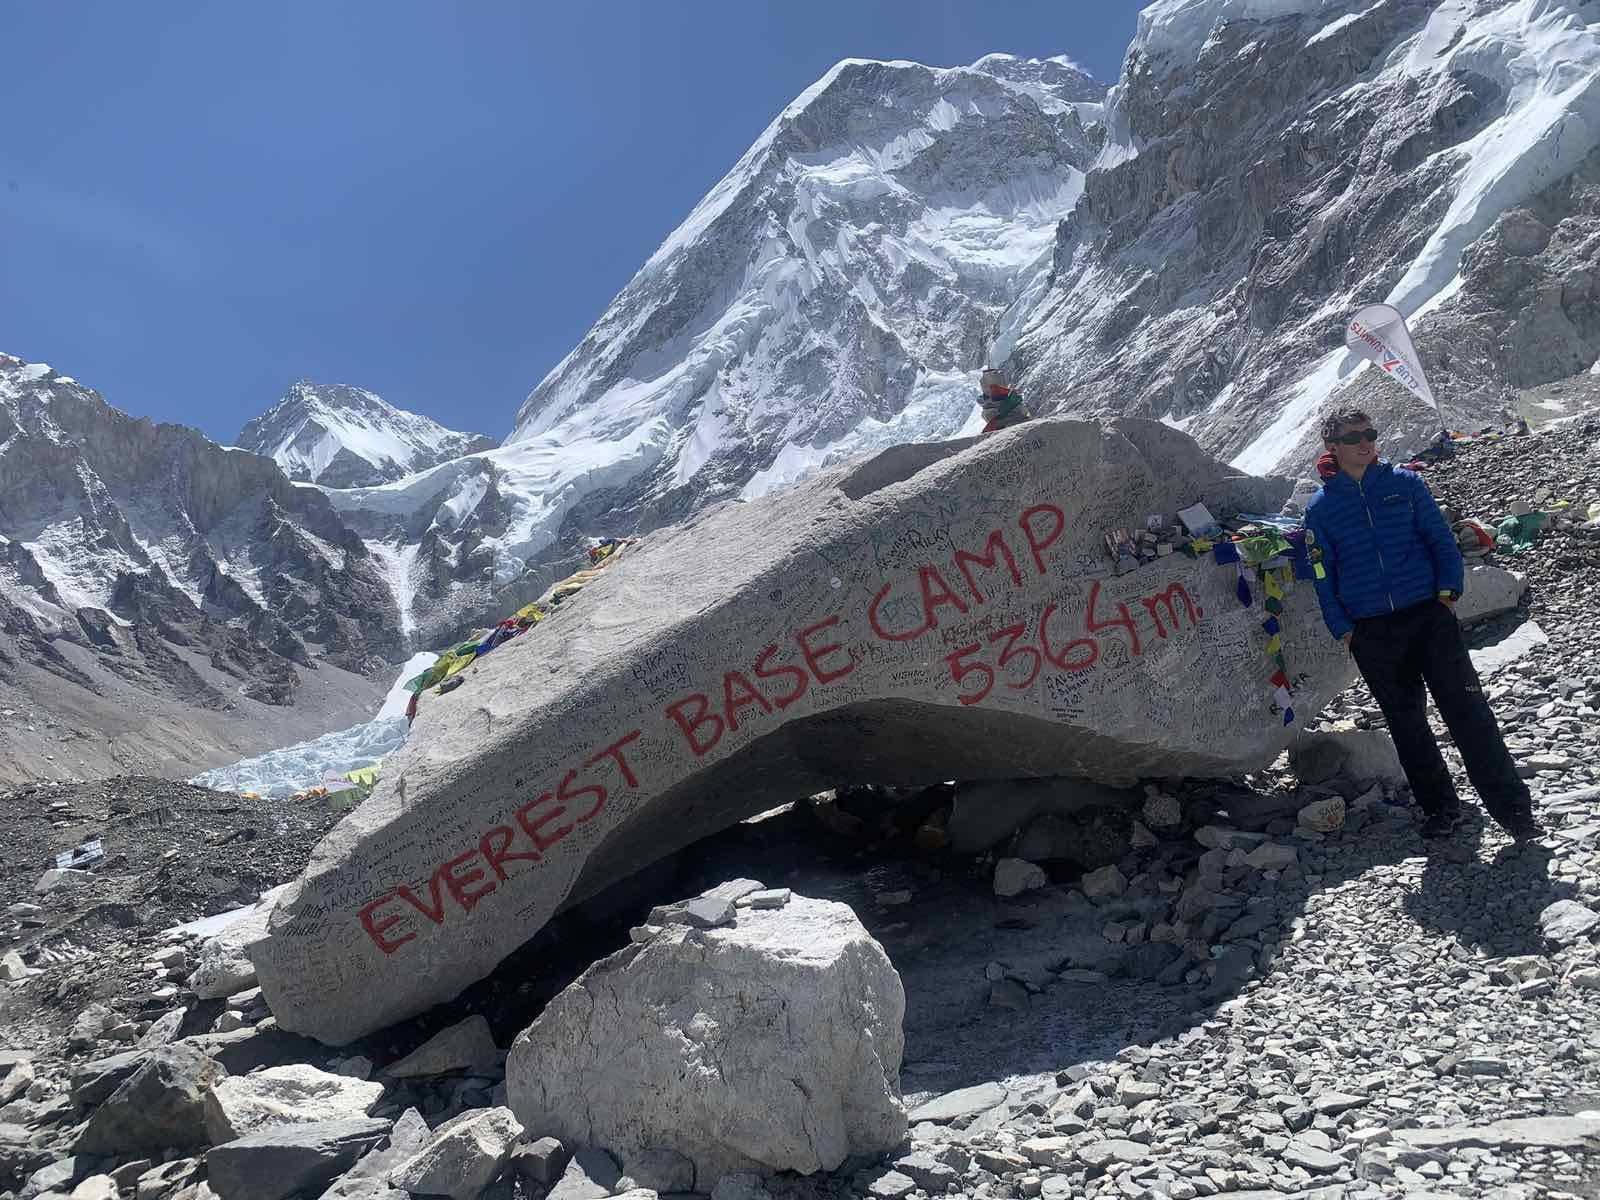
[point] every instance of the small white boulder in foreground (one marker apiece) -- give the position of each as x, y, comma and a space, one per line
770, 1045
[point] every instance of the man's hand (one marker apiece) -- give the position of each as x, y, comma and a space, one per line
1448, 601
1346, 640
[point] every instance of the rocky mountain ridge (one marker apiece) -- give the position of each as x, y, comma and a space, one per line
1271, 166
158, 584
857, 255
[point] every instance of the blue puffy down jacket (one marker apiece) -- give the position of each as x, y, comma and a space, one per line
1385, 545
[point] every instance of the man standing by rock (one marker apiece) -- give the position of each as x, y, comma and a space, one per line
1392, 574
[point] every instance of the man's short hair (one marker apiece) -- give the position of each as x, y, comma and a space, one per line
1339, 418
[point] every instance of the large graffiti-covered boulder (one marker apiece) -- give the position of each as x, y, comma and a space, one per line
935, 612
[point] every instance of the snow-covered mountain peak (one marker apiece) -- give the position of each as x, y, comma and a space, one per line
835, 290
342, 436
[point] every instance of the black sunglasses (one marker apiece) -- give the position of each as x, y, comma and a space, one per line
1355, 439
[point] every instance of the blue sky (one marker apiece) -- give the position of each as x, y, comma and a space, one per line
200, 203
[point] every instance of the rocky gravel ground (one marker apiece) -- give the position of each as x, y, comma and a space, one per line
1397, 992
172, 853
1268, 988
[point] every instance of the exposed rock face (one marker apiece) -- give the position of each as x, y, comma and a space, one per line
1525, 323
1262, 179
461, 1047
93, 1081
772, 1045
276, 1163
987, 813
342, 436
463, 1156
369, 1178
1362, 756
915, 617
144, 567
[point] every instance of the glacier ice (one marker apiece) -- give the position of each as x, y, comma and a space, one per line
281, 773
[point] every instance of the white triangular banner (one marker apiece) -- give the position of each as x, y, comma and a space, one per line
1378, 333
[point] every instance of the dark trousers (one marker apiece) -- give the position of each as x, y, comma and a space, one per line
1400, 652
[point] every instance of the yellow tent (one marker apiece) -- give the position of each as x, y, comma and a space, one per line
366, 777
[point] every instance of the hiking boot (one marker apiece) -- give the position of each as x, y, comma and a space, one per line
1442, 823
1522, 828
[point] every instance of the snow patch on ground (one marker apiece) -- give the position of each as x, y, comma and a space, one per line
209, 927
1222, 398
396, 563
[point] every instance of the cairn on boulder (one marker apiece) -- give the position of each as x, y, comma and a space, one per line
772, 1044
934, 612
